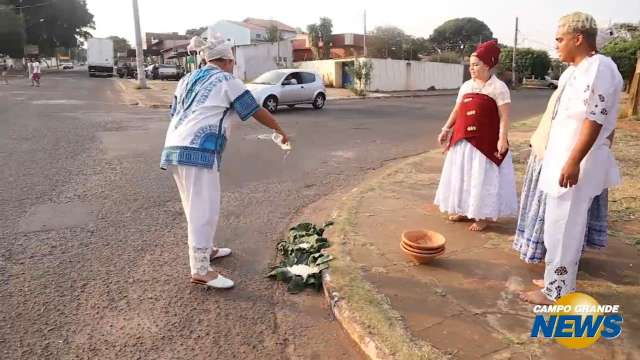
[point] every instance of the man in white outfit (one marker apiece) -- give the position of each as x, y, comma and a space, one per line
578, 163
206, 101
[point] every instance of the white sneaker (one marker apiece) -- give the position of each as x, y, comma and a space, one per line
220, 282
222, 252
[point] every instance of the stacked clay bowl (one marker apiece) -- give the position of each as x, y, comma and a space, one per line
422, 246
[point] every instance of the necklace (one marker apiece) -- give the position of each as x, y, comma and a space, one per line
477, 89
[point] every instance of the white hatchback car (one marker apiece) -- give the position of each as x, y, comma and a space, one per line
288, 87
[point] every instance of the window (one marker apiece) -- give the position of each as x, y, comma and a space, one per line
348, 39
308, 78
269, 78
258, 36
294, 76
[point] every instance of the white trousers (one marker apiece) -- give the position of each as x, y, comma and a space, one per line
200, 195
565, 224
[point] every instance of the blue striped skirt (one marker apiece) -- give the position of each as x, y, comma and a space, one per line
529, 239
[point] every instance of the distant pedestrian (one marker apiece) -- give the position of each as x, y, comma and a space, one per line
36, 71
4, 68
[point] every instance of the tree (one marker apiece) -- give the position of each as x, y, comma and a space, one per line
273, 34
325, 28
361, 71
529, 62
195, 31
314, 39
419, 46
624, 53
11, 34
53, 24
462, 34
386, 42
120, 45
557, 68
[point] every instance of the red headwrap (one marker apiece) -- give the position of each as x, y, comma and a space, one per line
489, 53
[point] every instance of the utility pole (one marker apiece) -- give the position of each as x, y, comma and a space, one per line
142, 80
24, 41
364, 41
513, 63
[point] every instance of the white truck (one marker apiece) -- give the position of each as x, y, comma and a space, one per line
100, 57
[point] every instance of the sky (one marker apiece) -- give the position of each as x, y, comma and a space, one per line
537, 19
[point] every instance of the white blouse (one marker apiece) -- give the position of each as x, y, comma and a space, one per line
494, 88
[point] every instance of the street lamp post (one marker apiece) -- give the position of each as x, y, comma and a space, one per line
142, 80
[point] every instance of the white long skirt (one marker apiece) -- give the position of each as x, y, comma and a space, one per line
474, 186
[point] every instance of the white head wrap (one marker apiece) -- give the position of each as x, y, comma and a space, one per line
216, 48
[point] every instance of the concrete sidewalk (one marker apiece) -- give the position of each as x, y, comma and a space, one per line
160, 93
464, 304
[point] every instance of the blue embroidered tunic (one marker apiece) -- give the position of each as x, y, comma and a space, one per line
205, 102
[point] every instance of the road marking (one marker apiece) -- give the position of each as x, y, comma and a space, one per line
58, 102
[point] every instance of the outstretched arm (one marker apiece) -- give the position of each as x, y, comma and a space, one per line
265, 118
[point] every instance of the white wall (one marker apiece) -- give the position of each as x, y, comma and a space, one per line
399, 75
255, 59
238, 35
255, 33
394, 75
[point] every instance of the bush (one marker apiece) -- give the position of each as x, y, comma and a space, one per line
624, 53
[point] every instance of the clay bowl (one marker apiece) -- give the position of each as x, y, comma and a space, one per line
420, 258
423, 239
411, 247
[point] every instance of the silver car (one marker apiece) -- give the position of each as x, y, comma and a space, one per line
289, 87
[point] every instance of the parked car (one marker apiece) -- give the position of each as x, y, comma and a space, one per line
67, 66
164, 72
288, 87
127, 70
551, 84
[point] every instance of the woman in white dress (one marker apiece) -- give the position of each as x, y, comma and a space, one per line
478, 181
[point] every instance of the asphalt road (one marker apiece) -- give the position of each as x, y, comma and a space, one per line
93, 256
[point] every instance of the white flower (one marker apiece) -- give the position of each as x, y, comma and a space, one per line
303, 270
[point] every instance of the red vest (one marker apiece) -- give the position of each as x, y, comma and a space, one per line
478, 122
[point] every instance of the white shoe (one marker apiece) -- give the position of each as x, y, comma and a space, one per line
222, 252
220, 282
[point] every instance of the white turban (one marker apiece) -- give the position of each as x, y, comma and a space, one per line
216, 48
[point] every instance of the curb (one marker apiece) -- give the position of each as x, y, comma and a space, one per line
385, 96
168, 105
362, 311
348, 321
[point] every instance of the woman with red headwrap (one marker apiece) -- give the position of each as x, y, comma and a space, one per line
478, 181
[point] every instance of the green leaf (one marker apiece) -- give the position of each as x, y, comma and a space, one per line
322, 267
282, 274
324, 259
296, 285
